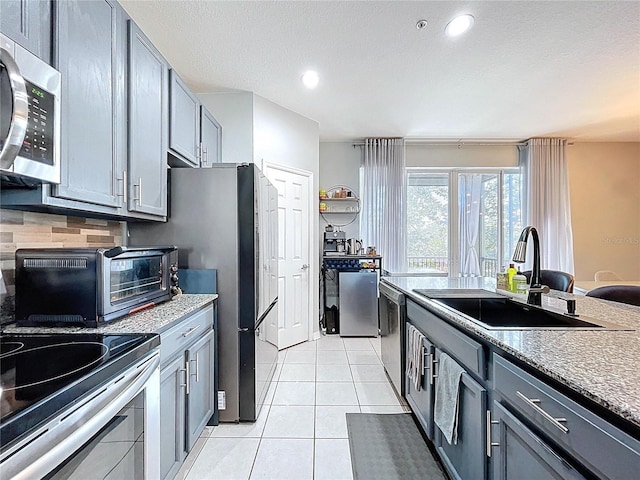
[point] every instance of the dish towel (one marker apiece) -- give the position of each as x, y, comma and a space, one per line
445, 410
415, 357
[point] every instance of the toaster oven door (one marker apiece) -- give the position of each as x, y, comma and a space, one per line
135, 278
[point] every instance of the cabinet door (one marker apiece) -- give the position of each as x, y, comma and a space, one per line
200, 399
28, 23
90, 56
184, 123
148, 103
172, 414
467, 459
421, 401
211, 138
518, 453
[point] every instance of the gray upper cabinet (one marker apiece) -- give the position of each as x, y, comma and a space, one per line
28, 23
211, 139
148, 84
90, 58
184, 124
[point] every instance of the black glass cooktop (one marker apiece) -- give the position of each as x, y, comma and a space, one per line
42, 374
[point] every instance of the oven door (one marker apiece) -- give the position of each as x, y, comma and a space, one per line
112, 434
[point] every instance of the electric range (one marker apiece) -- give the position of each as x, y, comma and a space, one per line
44, 374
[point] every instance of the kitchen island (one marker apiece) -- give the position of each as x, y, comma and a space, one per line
532, 401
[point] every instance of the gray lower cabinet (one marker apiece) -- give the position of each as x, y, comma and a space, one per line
421, 400
200, 399
517, 452
187, 390
578, 434
148, 84
172, 417
466, 459
91, 58
211, 139
28, 23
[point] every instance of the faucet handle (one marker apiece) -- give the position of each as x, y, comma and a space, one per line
539, 289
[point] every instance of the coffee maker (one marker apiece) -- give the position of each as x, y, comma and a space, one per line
334, 243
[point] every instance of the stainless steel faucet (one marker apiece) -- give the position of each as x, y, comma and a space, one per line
520, 255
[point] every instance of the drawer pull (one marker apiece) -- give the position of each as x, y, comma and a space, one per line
197, 369
434, 375
489, 442
187, 375
190, 331
425, 365
533, 403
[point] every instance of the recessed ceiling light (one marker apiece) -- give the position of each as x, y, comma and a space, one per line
310, 79
459, 25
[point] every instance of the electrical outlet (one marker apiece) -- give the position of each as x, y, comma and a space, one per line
222, 400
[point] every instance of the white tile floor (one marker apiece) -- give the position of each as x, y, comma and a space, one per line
302, 432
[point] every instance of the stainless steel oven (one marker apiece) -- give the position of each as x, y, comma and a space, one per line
80, 406
89, 286
29, 117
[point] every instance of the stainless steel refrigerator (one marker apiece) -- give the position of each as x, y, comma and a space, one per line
225, 217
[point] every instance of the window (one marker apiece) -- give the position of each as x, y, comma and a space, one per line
462, 222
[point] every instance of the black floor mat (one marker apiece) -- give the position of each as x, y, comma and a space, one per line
389, 446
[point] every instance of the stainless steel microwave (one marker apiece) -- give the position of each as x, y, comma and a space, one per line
29, 117
87, 287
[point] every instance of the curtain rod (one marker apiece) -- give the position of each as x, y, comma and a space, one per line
459, 144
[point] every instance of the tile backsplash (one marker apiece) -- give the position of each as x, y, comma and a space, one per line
41, 230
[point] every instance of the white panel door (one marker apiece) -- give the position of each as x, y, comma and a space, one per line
293, 254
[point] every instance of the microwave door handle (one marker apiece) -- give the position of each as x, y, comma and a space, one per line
20, 106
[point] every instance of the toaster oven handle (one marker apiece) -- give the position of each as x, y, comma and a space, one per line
115, 251
20, 107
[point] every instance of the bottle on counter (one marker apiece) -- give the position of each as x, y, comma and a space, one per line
502, 281
511, 271
519, 282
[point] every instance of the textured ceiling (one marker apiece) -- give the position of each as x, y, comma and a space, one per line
532, 68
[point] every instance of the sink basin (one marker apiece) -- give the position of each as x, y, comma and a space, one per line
497, 312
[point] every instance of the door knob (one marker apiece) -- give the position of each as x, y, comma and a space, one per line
304, 267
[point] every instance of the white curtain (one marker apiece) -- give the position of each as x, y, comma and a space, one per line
383, 196
547, 203
469, 192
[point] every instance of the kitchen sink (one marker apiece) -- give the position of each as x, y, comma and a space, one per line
497, 312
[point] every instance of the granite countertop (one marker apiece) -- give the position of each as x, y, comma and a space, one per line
154, 320
600, 365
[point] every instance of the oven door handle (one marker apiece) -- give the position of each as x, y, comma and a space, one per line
20, 111
51, 444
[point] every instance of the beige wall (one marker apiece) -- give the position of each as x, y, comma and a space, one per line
604, 183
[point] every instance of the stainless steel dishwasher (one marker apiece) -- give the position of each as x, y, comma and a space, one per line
392, 319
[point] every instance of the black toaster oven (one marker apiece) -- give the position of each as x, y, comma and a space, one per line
90, 286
